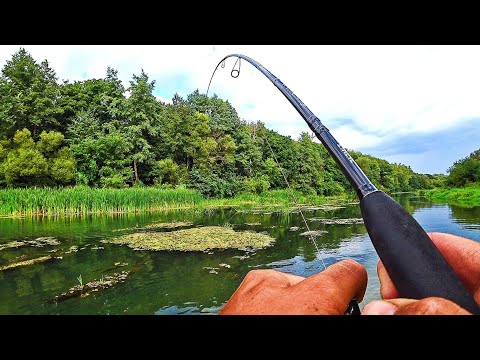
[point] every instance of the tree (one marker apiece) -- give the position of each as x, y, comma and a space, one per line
185, 136
223, 118
103, 98
102, 152
168, 172
248, 154
29, 97
43, 163
143, 115
309, 175
465, 171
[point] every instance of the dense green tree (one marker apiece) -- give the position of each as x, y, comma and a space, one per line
166, 171
185, 136
29, 97
102, 153
121, 137
465, 171
223, 118
103, 98
308, 177
26, 163
248, 154
143, 122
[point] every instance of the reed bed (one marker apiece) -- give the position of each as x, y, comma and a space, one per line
81, 200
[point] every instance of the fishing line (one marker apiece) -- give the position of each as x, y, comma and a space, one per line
311, 236
235, 73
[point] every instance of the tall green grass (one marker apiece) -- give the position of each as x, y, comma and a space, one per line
279, 198
468, 196
84, 200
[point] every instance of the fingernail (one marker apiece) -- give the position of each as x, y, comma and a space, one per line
379, 307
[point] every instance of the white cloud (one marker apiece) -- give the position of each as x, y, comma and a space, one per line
163, 99
387, 91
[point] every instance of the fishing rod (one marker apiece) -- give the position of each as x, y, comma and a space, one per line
414, 263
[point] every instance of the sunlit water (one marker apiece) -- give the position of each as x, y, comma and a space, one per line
179, 282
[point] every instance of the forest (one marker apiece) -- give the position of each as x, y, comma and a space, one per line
100, 134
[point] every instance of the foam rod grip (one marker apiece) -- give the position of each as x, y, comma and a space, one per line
415, 265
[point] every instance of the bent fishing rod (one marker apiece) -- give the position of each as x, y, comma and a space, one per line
414, 263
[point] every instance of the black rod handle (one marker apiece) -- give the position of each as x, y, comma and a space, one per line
414, 263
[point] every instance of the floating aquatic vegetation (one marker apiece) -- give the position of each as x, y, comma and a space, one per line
120, 264
256, 211
213, 270
29, 262
38, 242
241, 257
314, 233
73, 248
92, 286
253, 224
164, 225
170, 225
195, 239
335, 221
323, 208
293, 228
124, 229
12, 244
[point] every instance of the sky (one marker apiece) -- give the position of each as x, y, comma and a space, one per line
415, 105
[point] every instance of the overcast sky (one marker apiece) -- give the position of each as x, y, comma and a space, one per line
417, 105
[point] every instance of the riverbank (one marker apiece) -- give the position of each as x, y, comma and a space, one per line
82, 200
468, 196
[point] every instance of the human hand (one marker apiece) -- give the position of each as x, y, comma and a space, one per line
462, 254
274, 292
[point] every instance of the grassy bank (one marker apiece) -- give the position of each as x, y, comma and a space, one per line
85, 200
468, 196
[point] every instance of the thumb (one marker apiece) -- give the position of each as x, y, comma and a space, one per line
427, 306
337, 285
379, 307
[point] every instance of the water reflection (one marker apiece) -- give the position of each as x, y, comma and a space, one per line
178, 283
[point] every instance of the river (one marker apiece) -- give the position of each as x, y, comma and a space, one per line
182, 282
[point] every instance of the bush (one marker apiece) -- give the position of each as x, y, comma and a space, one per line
211, 185
256, 185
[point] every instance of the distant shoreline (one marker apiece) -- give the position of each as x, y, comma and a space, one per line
467, 196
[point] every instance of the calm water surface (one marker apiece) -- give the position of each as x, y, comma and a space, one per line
181, 283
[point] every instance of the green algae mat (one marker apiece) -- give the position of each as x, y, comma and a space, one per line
194, 239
